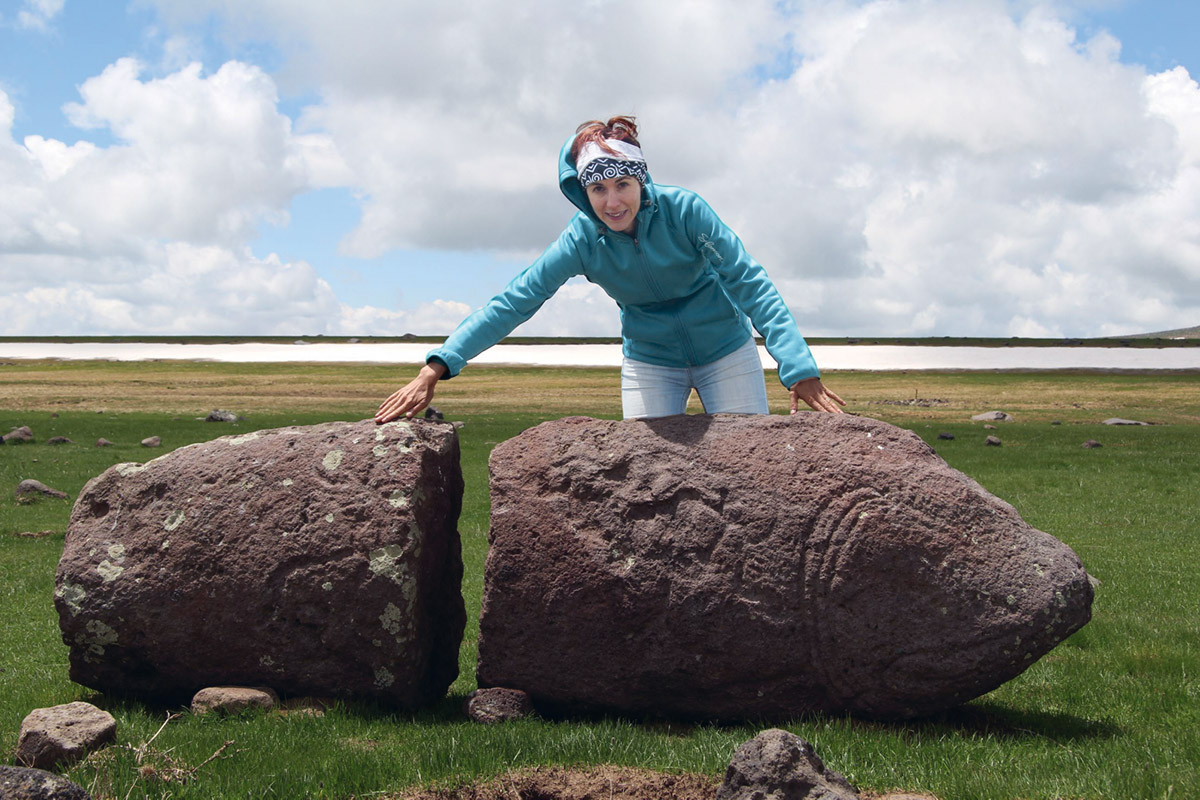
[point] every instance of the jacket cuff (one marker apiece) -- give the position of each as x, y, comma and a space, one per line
451, 361
807, 368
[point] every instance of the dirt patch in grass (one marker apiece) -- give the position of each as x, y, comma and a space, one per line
596, 783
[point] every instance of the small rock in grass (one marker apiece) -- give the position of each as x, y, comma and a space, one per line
152, 441
778, 764
18, 435
1091, 444
233, 699
498, 705
304, 707
31, 487
992, 441
219, 415
59, 440
992, 416
102, 442
63, 734
1119, 421
946, 436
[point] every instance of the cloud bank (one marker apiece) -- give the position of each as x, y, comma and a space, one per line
901, 168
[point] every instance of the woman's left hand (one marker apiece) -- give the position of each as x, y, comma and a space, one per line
814, 393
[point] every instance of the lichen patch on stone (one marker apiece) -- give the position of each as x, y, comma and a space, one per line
109, 571
384, 677
243, 439
332, 460
174, 519
72, 595
393, 619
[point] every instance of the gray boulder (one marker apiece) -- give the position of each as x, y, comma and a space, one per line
31, 487
24, 783
992, 416
319, 560
759, 567
1120, 421
777, 765
220, 415
63, 734
18, 435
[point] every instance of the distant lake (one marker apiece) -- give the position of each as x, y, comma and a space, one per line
829, 357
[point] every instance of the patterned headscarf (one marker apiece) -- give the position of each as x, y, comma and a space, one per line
597, 164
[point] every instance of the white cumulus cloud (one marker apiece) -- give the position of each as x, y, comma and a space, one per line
933, 167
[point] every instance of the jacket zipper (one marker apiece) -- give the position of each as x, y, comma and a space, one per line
680, 328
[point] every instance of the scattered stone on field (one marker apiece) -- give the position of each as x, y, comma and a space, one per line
102, 442
1119, 421
1091, 444
152, 441
754, 566
992, 416
19, 435
993, 441
318, 560
59, 440
498, 705
304, 707
989, 427
61, 735
233, 699
29, 486
946, 436
36, 534
25, 783
219, 415
1056, 422
781, 766
432, 412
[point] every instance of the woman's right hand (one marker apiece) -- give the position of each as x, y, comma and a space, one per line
414, 397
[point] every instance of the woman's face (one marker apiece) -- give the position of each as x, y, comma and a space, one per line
616, 201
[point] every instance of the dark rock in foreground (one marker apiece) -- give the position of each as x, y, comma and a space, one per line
759, 567
23, 783
318, 560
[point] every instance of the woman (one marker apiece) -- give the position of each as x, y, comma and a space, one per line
687, 291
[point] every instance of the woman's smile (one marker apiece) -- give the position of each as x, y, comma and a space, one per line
616, 201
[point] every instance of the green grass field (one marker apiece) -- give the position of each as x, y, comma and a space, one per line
1114, 712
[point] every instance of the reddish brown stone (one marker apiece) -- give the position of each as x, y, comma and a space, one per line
759, 566
317, 560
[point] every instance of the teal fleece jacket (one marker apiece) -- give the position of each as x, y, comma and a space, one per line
686, 288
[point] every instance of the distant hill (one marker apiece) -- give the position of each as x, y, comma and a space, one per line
1178, 333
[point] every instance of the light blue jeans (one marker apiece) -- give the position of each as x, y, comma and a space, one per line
733, 384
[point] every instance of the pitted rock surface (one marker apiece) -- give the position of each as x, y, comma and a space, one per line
318, 560
23, 783
759, 567
780, 765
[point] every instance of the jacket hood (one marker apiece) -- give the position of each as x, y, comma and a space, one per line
568, 182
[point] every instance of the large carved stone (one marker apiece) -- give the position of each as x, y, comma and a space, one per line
317, 560
759, 567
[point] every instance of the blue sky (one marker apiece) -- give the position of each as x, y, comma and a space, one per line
901, 168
